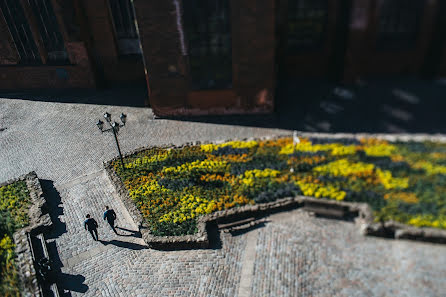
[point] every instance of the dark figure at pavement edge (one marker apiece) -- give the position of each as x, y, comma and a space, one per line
91, 225
110, 216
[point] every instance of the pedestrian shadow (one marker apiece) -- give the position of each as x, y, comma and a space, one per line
124, 244
54, 202
136, 234
71, 283
66, 283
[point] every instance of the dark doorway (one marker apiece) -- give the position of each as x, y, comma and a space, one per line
310, 36
436, 48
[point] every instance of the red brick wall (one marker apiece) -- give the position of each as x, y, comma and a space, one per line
253, 45
78, 74
104, 44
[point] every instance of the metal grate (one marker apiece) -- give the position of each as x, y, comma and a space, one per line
125, 26
208, 29
20, 31
307, 21
49, 31
399, 23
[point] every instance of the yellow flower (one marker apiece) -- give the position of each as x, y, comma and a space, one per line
390, 182
402, 196
209, 148
428, 221
380, 150
249, 177
343, 167
321, 191
431, 169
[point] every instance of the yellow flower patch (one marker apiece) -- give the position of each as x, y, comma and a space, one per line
428, 221
431, 169
402, 196
320, 191
209, 148
206, 165
343, 167
160, 156
390, 182
250, 175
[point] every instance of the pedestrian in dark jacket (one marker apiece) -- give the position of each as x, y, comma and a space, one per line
110, 216
91, 225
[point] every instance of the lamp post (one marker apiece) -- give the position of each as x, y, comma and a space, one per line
114, 127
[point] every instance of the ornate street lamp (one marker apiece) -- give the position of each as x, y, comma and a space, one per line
114, 127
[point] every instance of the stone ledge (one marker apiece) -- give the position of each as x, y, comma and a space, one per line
361, 211
39, 221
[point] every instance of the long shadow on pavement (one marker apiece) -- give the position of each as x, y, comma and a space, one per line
66, 283
55, 209
133, 233
124, 244
134, 95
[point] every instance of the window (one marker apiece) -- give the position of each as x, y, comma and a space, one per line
307, 21
399, 23
125, 26
20, 32
208, 30
49, 31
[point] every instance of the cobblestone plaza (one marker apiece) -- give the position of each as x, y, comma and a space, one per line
292, 254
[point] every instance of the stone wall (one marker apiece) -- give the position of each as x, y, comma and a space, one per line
39, 221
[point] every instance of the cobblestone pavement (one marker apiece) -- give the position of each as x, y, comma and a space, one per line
294, 254
60, 141
299, 255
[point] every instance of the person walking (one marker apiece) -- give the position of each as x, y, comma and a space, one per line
91, 225
110, 216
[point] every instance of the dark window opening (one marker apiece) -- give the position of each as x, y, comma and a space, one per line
208, 30
49, 31
20, 32
125, 26
399, 24
307, 22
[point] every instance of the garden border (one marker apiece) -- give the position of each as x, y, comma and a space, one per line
364, 216
39, 221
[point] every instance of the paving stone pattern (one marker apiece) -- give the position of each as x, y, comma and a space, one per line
295, 254
299, 255
60, 141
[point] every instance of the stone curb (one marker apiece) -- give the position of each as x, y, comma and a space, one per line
362, 211
39, 221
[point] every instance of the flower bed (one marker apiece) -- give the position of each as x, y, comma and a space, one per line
14, 204
21, 213
403, 182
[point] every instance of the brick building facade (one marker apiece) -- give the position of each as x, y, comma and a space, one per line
215, 56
